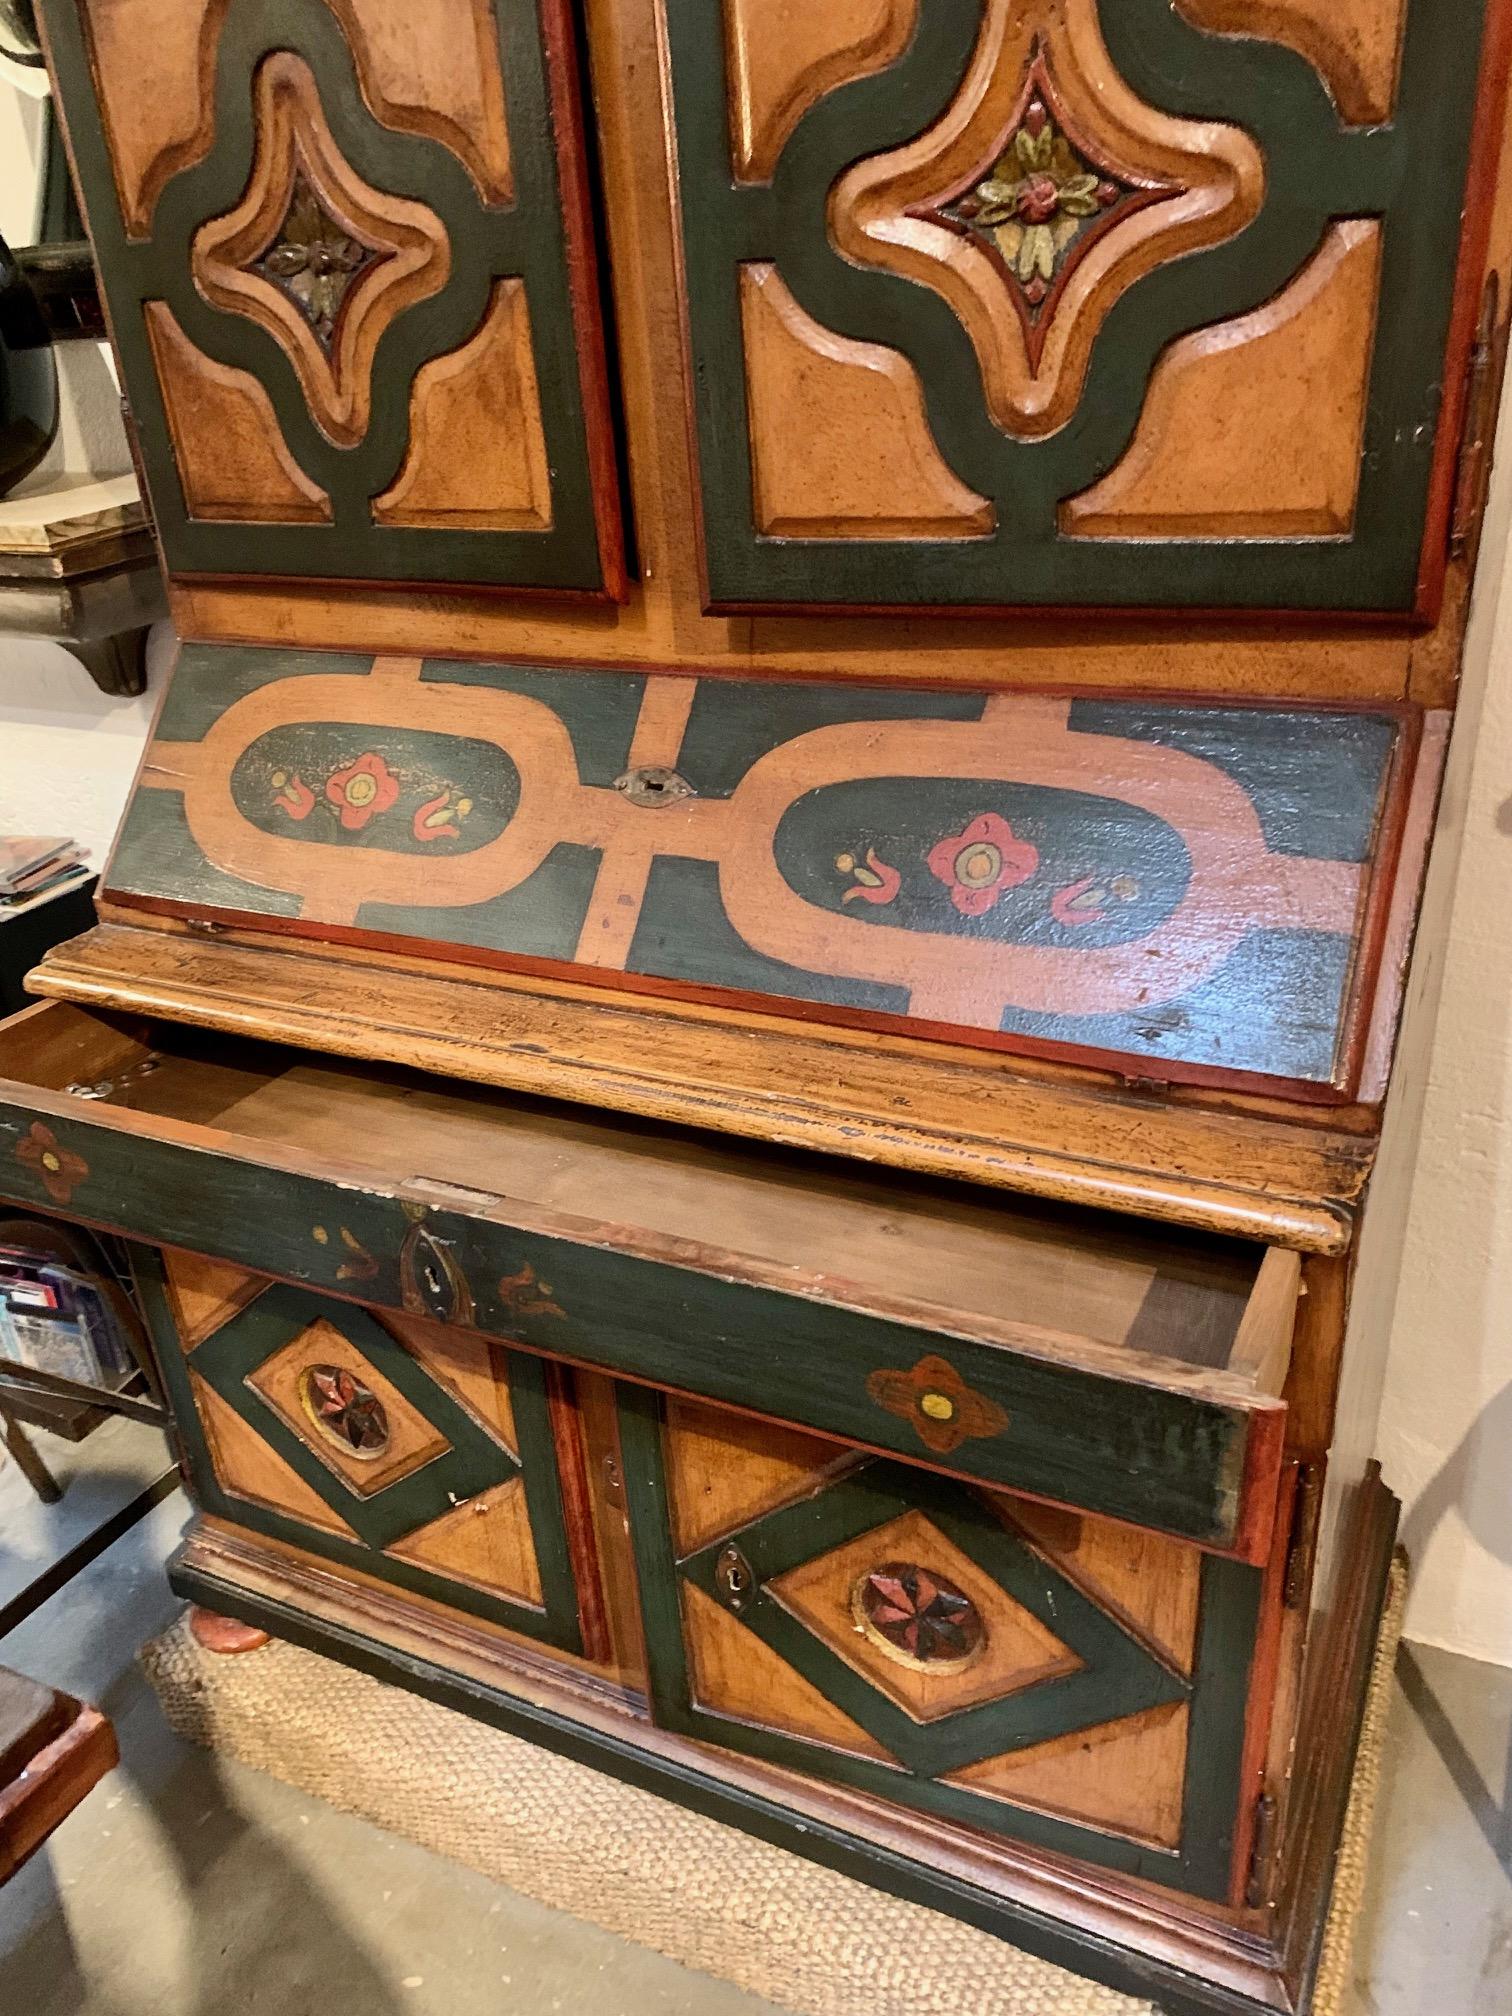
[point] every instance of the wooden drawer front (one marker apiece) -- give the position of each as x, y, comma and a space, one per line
1120, 1369
1069, 304
348, 262
1028, 1672
421, 1455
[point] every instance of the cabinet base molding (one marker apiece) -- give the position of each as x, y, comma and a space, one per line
1125, 1935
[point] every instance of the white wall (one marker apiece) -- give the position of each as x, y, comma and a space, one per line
1446, 1428
68, 754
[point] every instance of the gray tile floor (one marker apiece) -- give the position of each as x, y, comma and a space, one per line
188, 1887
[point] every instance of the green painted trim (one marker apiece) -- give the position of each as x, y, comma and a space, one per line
1218, 1693
1118, 1677
705, 1790
1410, 173
475, 1462
1157, 1456
525, 239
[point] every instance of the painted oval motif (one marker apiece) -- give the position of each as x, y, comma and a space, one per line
339, 784
1019, 864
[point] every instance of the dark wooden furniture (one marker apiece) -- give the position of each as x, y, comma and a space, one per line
748, 1119
53, 1751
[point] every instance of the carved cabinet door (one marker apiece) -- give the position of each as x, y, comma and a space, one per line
347, 255
986, 1661
404, 1449
1080, 302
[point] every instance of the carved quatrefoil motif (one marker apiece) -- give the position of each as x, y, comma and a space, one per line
1042, 194
315, 255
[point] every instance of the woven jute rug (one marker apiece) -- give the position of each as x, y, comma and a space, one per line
691, 1888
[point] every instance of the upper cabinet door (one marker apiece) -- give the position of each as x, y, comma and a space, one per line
1066, 303
348, 258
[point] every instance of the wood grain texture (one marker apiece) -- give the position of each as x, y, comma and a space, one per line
154, 70
1061, 1138
153, 63
1356, 45
840, 442
1071, 1417
486, 1543
473, 1369
421, 105
1206, 180
1253, 428
205, 1293
230, 453
485, 395
737, 1677
248, 1469
1128, 1776
411, 1440
663, 622
716, 1481
52, 1783
784, 57
1035, 1656
413, 253
1017, 1651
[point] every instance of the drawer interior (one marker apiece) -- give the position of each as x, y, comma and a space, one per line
1053, 1278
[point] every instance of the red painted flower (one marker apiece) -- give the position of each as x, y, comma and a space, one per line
362, 790
441, 818
60, 1169
291, 794
875, 882
979, 863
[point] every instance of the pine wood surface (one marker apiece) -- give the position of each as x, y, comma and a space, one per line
1008, 1127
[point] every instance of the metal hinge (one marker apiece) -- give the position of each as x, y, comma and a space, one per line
1306, 1505
1262, 1851
1478, 424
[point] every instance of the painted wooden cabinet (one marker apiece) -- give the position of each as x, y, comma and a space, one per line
1074, 304
743, 1016
335, 244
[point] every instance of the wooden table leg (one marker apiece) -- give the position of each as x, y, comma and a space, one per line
28, 1462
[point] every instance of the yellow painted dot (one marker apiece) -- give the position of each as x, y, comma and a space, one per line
938, 1406
362, 790
280, 778
321, 1236
464, 806
846, 863
50, 1162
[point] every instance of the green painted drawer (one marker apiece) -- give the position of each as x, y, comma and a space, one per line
1092, 1362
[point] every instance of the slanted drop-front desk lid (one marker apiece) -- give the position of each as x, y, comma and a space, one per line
1178, 889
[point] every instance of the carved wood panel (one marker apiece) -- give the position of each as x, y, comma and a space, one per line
348, 258
406, 1449
1113, 303
993, 1663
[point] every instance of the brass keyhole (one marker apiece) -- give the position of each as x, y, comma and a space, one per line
733, 1579
653, 784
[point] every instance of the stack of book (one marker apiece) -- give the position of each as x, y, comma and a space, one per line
30, 868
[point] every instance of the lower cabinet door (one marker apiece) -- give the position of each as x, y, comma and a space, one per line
415, 1452
1061, 1680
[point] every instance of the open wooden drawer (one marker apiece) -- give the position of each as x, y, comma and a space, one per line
1118, 1368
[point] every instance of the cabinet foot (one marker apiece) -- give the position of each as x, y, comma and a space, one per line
224, 1634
